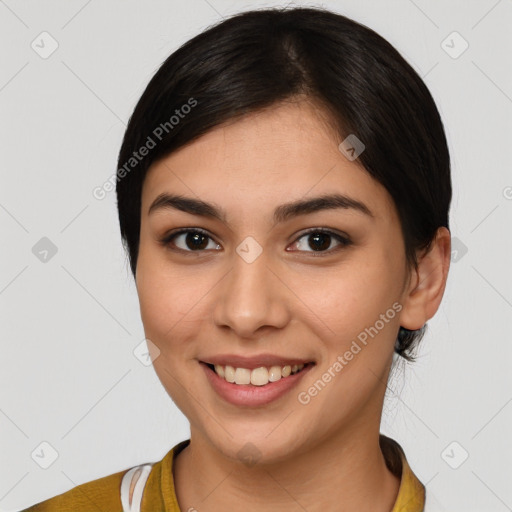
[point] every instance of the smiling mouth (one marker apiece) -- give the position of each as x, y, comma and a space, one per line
257, 376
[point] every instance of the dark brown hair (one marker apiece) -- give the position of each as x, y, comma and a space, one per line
258, 58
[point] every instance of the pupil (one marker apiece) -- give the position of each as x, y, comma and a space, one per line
197, 240
322, 241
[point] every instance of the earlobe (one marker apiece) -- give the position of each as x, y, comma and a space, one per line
428, 283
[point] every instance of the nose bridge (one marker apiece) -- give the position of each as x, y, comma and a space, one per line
251, 295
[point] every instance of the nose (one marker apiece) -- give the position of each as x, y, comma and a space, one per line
252, 297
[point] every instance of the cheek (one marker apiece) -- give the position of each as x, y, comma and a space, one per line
171, 299
359, 301
159, 297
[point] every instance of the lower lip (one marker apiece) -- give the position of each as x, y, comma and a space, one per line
250, 395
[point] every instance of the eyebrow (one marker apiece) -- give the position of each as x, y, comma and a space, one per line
282, 213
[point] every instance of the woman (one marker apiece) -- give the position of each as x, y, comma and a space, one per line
283, 192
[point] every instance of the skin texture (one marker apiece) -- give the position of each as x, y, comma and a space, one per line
286, 302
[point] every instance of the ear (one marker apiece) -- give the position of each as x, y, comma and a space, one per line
427, 284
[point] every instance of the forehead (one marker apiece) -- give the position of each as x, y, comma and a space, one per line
283, 153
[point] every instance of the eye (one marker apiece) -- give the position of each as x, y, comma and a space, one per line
197, 240
192, 240
320, 240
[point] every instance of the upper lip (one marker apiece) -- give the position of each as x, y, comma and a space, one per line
267, 360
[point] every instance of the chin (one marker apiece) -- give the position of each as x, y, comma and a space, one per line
256, 448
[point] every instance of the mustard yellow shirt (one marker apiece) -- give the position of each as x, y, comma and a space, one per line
159, 494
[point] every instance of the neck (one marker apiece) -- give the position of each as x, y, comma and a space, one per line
347, 470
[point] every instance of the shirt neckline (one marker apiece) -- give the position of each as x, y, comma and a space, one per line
410, 497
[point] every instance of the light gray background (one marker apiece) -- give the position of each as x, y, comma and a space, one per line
69, 325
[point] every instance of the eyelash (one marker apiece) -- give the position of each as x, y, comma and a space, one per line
344, 241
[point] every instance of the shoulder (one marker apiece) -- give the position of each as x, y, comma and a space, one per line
116, 492
411, 493
100, 494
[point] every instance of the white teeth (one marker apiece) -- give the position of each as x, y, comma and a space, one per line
242, 376
229, 373
257, 377
220, 370
274, 374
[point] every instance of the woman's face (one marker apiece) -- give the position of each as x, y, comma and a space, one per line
256, 283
